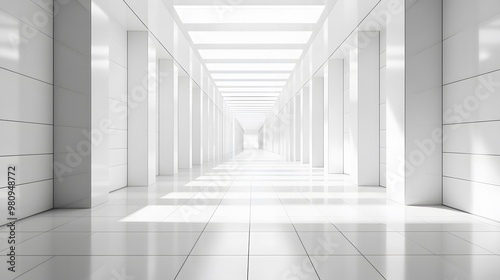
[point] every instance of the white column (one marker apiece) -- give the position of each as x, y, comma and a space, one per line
365, 108
297, 121
141, 125
185, 122
414, 102
197, 126
306, 125
212, 133
152, 113
216, 134
222, 133
168, 117
286, 132
81, 105
291, 135
335, 116
206, 128
317, 122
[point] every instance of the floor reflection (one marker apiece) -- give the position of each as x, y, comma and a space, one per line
256, 217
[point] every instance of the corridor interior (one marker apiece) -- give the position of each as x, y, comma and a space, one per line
255, 217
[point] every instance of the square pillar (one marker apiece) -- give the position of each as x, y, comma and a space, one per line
291, 134
206, 127
365, 108
286, 132
185, 122
297, 121
335, 116
211, 132
168, 117
306, 125
197, 126
216, 134
81, 105
317, 122
141, 98
414, 102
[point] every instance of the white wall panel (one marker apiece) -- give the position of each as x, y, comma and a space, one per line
477, 168
473, 138
473, 51
117, 157
470, 106
118, 114
472, 100
460, 15
32, 199
477, 198
117, 81
116, 178
31, 168
24, 48
25, 99
35, 198
32, 15
25, 138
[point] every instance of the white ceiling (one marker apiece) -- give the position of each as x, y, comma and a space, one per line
250, 47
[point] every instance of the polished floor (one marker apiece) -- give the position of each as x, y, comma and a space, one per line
256, 217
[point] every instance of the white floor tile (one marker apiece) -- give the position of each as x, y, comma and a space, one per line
437, 267
345, 267
384, 243
253, 210
444, 243
214, 268
327, 243
281, 267
107, 268
222, 244
487, 240
275, 244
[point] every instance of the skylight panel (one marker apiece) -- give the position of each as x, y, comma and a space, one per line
250, 53
249, 83
250, 37
250, 66
249, 13
251, 76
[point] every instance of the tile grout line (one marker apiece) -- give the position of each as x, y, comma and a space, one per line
342, 233
203, 230
450, 232
35, 267
298, 236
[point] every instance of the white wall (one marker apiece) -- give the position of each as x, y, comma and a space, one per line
26, 98
26, 105
471, 102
